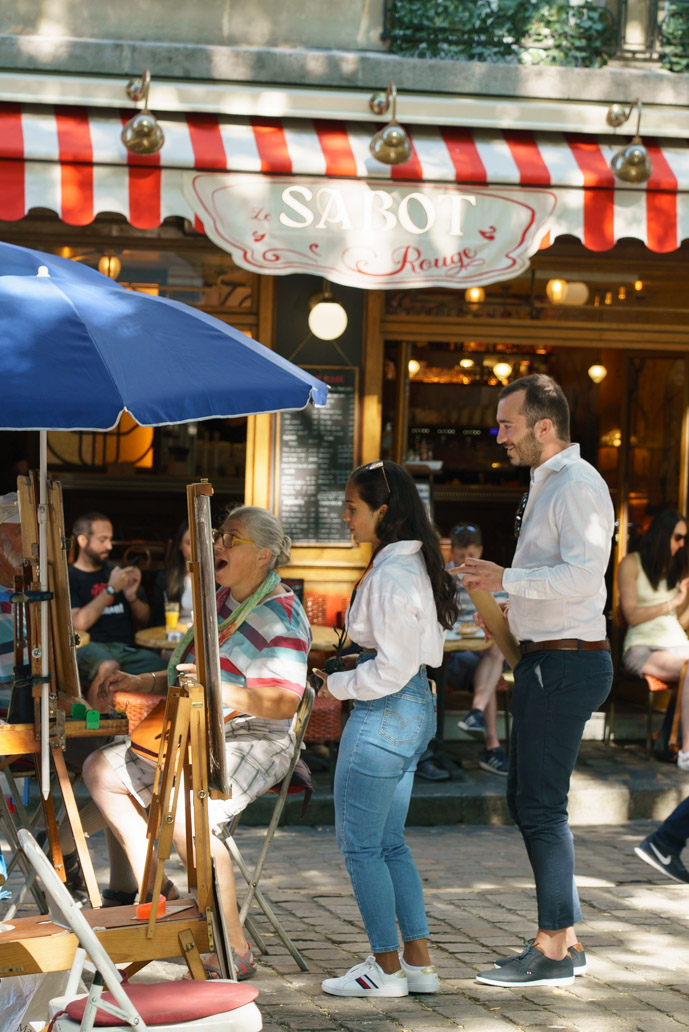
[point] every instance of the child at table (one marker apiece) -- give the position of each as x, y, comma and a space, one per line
480, 671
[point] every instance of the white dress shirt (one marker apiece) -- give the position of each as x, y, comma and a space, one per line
394, 613
556, 582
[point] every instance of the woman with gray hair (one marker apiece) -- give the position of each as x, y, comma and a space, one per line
264, 639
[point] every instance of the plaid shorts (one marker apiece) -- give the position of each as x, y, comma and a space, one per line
257, 753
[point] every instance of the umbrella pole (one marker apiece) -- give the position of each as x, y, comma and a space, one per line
45, 610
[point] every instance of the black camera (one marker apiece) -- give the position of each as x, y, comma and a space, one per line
331, 666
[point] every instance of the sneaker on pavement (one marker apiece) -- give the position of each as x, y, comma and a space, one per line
420, 979
683, 760
495, 761
474, 723
531, 967
576, 952
367, 979
662, 859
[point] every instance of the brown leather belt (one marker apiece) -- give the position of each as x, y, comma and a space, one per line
566, 644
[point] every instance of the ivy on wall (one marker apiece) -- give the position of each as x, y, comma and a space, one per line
674, 30
515, 31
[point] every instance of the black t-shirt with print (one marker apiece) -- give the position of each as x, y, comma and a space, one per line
115, 622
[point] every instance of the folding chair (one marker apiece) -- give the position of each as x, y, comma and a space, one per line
253, 876
171, 1006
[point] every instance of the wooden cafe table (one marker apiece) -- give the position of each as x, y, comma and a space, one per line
156, 637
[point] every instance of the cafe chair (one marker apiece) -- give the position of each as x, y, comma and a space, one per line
171, 1006
135, 705
252, 874
325, 726
654, 685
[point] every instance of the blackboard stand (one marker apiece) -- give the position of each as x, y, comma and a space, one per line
315, 453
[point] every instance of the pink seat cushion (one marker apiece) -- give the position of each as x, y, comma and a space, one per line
174, 1001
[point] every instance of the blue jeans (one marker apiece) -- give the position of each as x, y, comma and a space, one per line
674, 831
555, 693
379, 750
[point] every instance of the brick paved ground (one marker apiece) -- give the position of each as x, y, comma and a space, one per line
481, 904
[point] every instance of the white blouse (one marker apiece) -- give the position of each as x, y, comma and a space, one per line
394, 613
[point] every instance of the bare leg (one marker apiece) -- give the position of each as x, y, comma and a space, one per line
683, 703
126, 818
553, 943
486, 677
415, 953
225, 879
666, 665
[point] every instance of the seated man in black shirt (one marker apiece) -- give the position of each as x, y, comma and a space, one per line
107, 600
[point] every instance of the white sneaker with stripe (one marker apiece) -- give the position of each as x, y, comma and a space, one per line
367, 979
420, 979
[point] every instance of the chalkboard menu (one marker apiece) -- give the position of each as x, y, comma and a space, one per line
315, 455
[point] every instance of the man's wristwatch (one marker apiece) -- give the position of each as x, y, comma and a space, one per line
110, 590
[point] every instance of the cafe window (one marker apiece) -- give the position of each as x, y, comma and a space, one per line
439, 412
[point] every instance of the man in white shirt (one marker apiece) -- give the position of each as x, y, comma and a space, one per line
556, 588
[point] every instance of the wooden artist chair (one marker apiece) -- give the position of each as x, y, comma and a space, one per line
252, 874
177, 1006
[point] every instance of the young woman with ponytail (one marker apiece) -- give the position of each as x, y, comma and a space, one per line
398, 614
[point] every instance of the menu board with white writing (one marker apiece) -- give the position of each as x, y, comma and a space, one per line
316, 453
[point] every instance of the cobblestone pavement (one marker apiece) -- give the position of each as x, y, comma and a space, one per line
481, 905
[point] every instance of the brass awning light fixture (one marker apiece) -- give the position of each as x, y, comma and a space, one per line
142, 134
631, 164
391, 144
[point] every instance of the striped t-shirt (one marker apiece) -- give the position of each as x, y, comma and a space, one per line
270, 647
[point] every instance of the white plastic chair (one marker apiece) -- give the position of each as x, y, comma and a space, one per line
173, 1006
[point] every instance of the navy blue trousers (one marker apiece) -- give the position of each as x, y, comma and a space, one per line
674, 831
555, 693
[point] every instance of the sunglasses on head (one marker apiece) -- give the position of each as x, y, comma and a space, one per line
378, 464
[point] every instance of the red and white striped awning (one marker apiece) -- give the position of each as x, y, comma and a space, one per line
71, 160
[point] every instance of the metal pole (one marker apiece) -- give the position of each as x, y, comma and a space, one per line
45, 609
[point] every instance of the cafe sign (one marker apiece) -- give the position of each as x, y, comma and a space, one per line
372, 235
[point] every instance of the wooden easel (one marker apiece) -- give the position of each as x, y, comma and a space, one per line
24, 739
184, 756
190, 928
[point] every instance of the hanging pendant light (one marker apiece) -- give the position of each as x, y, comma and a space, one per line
327, 318
597, 373
556, 290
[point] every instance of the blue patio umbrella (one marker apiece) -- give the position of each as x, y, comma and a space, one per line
77, 350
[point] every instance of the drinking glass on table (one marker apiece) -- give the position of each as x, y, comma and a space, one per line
171, 616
